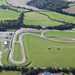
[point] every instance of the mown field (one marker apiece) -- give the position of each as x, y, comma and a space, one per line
8, 15
34, 18
61, 17
2, 2
68, 34
4, 51
17, 52
9, 73
45, 53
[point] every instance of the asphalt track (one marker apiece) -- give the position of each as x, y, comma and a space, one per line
22, 32
28, 31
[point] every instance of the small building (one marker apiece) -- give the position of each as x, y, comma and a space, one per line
5, 42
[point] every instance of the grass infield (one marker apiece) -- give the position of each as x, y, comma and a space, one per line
44, 53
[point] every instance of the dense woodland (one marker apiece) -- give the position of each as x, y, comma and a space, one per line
55, 5
32, 71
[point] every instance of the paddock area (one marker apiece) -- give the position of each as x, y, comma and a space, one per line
51, 53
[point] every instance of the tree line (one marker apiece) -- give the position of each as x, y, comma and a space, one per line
34, 71
55, 5
67, 26
12, 24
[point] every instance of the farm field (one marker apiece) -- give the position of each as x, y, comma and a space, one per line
2, 2
5, 59
34, 18
17, 52
61, 17
8, 15
44, 53
56, 33
9, 73
4, 51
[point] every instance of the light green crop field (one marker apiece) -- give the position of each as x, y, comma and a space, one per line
9, 73
2, 2
68, 34
59, 16
45, 53
8, 15
4, 51
5, 59
17, 52
34, 18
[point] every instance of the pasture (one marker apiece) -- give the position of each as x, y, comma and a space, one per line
45, 53
9, 73
58, 33
52, 18
8, 15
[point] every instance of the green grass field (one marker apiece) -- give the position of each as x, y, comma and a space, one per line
17, 52
4, 51
9, 73
40, 56
5, 59
34, 18
59, 16
2, 2
8, 15
67, 34
41, 52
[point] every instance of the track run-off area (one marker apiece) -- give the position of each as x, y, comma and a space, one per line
28, 31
